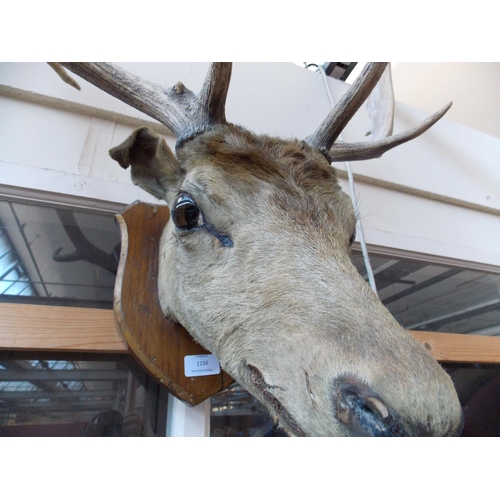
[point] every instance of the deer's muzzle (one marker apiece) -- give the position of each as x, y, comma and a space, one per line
364, 413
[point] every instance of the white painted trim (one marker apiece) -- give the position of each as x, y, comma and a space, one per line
36, 196
433, 250
187, 421
82, 109
373, 181
430, 258
16, 178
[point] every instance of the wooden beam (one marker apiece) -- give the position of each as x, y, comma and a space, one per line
460, 348
72, 329
58, 328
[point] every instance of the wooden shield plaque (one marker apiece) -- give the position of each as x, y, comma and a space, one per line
158, 344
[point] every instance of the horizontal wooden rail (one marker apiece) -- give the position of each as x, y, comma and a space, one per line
460, 348
73, 329
59, 328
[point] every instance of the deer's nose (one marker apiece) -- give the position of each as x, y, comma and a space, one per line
363, 412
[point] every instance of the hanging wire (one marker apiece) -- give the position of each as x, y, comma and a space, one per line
359, 226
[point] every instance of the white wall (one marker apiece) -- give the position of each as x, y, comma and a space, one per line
472, 86
56, 148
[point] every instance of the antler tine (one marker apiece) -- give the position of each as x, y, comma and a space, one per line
380, 106
212, 96
353, 151
177, 107
63, 75
328, 132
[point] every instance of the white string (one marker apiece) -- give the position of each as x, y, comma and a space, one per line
359, 226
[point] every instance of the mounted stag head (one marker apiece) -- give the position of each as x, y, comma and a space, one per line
255, 262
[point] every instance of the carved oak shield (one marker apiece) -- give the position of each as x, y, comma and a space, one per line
158, 344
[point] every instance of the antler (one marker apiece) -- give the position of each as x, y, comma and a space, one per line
187, 114
380, 106
329, 131
177, 107
63, 75
351, 151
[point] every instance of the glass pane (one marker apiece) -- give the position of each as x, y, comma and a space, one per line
478, 387
436, 297
57, 255
236, 413
41, 397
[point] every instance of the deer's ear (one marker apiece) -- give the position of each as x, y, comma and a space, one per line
154, 165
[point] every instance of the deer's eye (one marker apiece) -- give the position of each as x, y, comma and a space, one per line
186, 214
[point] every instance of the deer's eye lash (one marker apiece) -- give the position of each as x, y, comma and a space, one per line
186, 214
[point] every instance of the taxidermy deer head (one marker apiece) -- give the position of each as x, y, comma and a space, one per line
255, 262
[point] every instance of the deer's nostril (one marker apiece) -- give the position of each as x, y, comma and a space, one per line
363, 412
